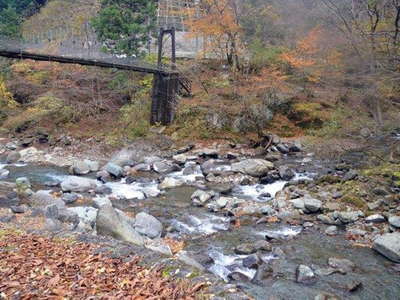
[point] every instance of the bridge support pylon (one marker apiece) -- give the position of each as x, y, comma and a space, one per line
165, 86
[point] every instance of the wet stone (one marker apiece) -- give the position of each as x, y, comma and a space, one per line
305, 275
69, 198
245, 249
376, 218
353, 285
331, 230
394, 221
344, 265
262, 245
251, 261
18, 209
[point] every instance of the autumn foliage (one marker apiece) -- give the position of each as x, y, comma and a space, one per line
34, 267
218, 25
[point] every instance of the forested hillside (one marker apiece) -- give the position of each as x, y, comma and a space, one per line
294, 67
278, 177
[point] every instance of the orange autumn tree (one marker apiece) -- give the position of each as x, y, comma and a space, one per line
312, 57
217, 23
302, 58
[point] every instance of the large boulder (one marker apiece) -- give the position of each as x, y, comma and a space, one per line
123, 157
389, 245
4, 174
304, 274
200, 197
165, 167
312, 205
87, 215
253, 167
170, 182
13, 157
78, 184
114, 169
394, 221
45, 198
214, 167
110, 223
80, 168
148, 225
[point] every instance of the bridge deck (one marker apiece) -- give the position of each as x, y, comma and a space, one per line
106, 63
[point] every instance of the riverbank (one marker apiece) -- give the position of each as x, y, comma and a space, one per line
280, 222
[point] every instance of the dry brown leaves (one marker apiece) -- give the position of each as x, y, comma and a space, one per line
39, 267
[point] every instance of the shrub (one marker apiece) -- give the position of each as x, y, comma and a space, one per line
261, 56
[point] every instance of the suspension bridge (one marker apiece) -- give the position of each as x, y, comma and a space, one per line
167, 84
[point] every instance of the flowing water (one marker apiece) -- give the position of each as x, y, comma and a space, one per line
211, 239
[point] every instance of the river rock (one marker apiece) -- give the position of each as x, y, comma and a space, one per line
376, 218
304, 274
11, 146
282, 148
45, 198
351, 175
215, 167
103, 190
329, 219
87, 215
222, 202
184, 257
123, 157
245, 249
388, 245
148, 225
142, 167
263, 245
51, 211
312, 205
19, 209
164, 167
286, 173
298, 203
69, 198
114, 169
93, 165
343, 265
78, 184
110, 223
253, 167
241, 179
207, 153
326, 296
159, 246
394, 221
272, 157
170, 182
22, 184
200, 197
295, 147
103, 176
331, 230
28, 153
4, 174
13, 157
347, 217
251, 261
80, 168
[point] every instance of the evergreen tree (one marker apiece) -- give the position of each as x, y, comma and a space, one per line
12, 13
125, 26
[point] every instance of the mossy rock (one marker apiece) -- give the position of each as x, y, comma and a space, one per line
354, 201
396, 176
329, 179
